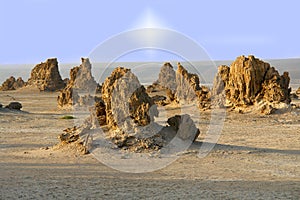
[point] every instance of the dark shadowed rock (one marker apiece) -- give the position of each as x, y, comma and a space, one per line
12, 84
46, 77
14, 106
184, 127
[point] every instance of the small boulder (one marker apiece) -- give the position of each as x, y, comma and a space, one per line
14, 106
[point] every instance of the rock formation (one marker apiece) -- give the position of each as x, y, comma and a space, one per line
184, 127
167, 77
218, 90
12, 84
181, 86
67, 97
81, 77
298, 91
126, 99
128, 111
249, 80
46, 76
81, 81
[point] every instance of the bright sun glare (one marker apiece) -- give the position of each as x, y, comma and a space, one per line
149, 19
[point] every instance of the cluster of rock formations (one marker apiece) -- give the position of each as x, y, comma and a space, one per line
12, 84
181, 87
250, 81
46, 77
128, 112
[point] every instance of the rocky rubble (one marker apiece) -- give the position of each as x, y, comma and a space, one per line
46, 77
250, 81
12, 84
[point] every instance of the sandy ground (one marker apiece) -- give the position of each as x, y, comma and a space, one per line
256, 157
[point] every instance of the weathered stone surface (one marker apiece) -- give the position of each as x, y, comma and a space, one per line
185, 127
46, 76
218, 90
167, 77
14, 106
126, 100
220, 80
298, 91
12, 84
81, 77
107, 90
81, 81
249, 81
67, 97
181, 86
252, 80
187, 85
72, 138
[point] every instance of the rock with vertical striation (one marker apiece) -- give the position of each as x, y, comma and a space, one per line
249, 81
81, 81
12, 84
46, 77
126, 100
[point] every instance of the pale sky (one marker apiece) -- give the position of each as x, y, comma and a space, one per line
34, 30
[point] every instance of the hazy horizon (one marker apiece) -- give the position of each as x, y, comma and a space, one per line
101, 70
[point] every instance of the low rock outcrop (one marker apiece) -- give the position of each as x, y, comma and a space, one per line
46, 77
249, 81
12, 84
14, 106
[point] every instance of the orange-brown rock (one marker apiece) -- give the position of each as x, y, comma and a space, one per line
182, 86
12, 84
249, 81
298, 91
46, 77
